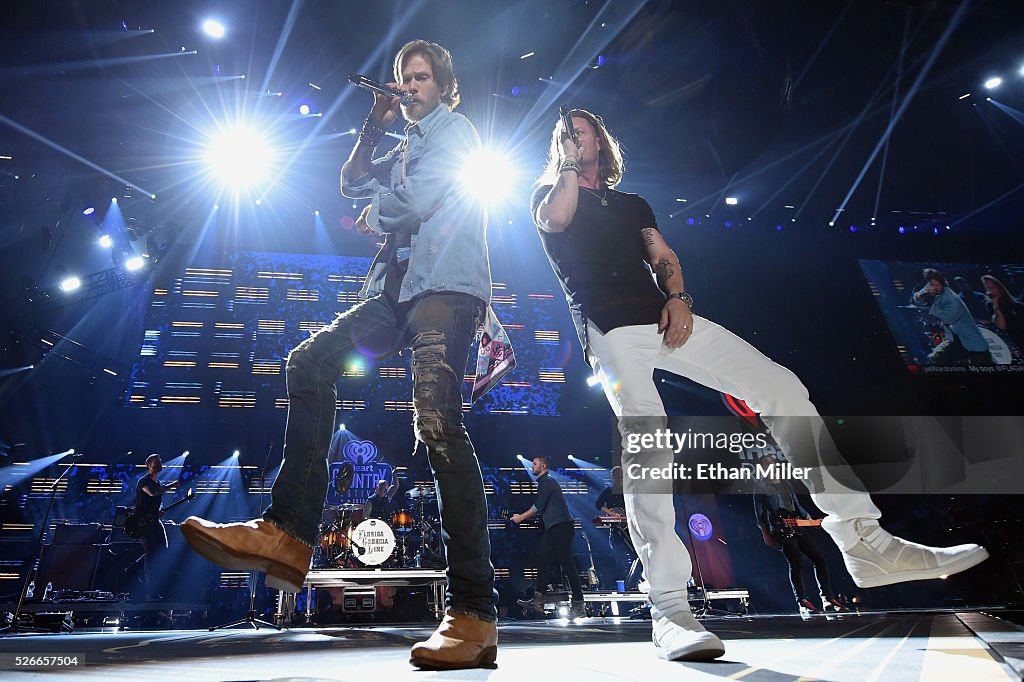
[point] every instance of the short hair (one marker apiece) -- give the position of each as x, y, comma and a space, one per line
544, 460
616, 470
152, 458
440, 65
931, 273
382, 482
611, 167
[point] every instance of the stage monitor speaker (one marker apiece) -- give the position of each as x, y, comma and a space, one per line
68, 567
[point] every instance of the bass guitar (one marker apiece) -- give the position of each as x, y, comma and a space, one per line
136, 525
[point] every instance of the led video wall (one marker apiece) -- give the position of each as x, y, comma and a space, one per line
218, 337
973, 324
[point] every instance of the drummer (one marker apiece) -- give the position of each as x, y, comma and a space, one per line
379, 504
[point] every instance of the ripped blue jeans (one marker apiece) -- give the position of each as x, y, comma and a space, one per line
439, 327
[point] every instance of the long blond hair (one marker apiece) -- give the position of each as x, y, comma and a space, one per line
610, 164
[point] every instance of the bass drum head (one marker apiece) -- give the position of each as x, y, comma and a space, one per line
373, 542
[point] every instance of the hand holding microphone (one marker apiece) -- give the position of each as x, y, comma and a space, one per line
387, 98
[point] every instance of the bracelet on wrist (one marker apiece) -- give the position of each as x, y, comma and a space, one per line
371, 133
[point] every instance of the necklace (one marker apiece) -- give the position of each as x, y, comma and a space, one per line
603, 196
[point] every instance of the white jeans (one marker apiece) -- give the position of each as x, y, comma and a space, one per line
624, 360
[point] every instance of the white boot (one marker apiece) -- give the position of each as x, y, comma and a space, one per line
683, 638
874, 557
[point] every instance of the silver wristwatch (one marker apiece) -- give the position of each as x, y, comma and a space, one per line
684, 297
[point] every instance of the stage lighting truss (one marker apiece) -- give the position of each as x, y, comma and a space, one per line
131, 272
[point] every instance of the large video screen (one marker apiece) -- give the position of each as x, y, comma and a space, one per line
219, 337
952, 317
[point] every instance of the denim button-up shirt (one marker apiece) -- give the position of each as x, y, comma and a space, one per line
953, 313
415, 189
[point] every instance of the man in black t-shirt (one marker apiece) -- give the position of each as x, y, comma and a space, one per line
556, 542
148, 495
378, 505
604, 246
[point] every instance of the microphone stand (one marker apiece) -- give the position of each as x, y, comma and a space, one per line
15, 626
250, 619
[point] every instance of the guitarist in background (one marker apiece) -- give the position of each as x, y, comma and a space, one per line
148, 492
774, 503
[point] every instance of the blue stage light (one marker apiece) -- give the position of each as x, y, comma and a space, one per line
515, 91
69, 284
106, 242
304, 109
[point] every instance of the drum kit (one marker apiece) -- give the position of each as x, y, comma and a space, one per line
411, 538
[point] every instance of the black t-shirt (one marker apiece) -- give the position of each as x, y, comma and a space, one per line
379, 506
144, 504
611, 500
599, 260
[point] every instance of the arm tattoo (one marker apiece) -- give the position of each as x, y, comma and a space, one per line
663, 270
648, 236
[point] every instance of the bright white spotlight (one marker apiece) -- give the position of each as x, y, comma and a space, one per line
235, 453
731, 201
593, 380
304, 109
342, 426
106, 242
213, 28
69, 284
134, 263
993, 83
89, 211
487, 175
239, 156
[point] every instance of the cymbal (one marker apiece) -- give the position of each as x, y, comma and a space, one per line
343, 507
421, 491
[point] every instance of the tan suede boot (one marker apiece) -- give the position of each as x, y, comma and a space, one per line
460, 641
254, 545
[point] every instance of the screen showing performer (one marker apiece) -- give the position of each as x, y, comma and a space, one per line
951, 318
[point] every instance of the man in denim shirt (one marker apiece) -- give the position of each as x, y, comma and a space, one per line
428, 288
962, 335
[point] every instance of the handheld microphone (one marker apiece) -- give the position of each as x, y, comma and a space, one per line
362, 81
563, 111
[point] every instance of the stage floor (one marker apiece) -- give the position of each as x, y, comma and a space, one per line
961, 646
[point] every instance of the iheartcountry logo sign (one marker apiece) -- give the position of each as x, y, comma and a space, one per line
367, 468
